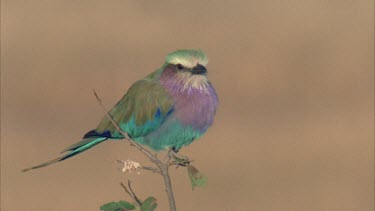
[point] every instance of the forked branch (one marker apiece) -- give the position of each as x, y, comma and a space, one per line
162, 166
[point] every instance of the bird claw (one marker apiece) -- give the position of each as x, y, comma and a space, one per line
179, 160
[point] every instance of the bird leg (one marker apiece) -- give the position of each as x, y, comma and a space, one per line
178, 160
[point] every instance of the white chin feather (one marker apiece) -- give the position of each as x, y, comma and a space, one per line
190, 81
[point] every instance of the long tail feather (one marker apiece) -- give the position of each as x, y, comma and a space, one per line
74, 150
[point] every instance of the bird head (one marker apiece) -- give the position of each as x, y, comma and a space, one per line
187, 69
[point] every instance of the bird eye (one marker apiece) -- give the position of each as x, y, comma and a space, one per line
180, 67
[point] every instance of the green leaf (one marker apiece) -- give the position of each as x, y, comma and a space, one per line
117, 206
149, 204
197, 179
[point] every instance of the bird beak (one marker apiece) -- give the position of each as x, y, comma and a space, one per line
199, 69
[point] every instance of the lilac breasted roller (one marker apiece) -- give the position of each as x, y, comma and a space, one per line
168, 109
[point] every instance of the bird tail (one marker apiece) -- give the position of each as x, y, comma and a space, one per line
72, 150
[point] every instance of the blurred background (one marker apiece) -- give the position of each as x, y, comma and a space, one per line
294, 130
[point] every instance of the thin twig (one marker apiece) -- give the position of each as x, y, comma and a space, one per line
131, 193
152, 169
163, 166
168, 184
126, 136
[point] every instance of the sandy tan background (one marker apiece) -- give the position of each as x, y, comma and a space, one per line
295, 78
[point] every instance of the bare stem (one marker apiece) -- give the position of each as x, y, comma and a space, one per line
162, 166
152, 169
168, 184
131, 193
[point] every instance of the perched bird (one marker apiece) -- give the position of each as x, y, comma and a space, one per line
168, 109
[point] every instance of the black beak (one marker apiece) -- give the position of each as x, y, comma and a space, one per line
199, 69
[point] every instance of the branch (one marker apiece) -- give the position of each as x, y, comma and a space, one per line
131, 193
162, 166
126, 136
152, 169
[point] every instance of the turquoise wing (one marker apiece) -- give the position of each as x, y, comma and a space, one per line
141, 110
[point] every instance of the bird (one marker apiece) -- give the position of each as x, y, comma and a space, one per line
167, 110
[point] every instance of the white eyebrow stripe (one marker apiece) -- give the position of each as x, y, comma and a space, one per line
188, 63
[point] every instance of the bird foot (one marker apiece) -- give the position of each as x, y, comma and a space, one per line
179, 160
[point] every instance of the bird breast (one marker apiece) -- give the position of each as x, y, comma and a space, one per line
195, 107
